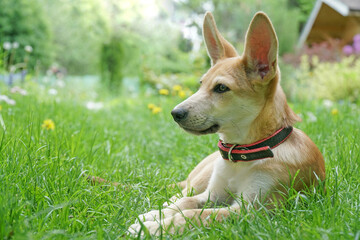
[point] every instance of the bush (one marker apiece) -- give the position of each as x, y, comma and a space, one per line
325, 80
327, 51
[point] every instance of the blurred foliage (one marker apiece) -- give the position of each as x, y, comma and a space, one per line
154, 50
79, 28
22, 23
112, 63
329, 51
144, 40
325, 80
305, 7
233, 18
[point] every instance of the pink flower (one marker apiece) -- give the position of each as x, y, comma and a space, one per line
347, 50
19, 90
357, 47
357, 38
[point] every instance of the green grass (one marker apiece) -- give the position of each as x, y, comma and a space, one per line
43, 194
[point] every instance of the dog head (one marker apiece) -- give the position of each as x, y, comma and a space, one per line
236, 88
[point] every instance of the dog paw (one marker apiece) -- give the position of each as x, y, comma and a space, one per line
171, 200
153, 215
156, 215
134, 229
154, 228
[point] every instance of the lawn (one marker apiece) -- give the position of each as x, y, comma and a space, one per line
44, 194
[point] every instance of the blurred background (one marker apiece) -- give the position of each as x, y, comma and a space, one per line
143, 46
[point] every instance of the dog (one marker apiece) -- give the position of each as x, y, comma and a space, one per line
260, 152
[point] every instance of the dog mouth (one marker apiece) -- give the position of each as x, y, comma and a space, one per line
213, 129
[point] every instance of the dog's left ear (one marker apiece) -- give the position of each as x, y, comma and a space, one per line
261, 47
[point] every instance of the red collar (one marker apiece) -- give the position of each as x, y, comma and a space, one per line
254, 151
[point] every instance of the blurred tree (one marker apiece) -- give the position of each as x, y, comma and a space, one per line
149, 40
112, 63
305, 7
79, 29
23, 23
233, 18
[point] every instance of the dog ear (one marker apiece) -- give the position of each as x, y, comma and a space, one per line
261, 47
217, 47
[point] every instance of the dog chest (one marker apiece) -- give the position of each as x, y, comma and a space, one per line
241, 178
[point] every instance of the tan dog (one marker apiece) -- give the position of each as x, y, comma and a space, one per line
240, 98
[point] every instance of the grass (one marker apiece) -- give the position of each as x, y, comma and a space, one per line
43, 194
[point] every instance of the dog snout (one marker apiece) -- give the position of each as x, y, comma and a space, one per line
179, 114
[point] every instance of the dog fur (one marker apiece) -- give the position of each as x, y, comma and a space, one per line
252, 107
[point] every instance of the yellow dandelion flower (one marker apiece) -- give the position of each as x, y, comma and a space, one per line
156, 110
151, 106
182, 94
164, 91
0, 107
48, 124
335, 111
177, 88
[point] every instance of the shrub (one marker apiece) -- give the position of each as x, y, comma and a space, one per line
325, 80
327, 51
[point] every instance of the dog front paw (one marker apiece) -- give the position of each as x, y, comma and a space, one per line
134, 229
156, 215
153, 215
153, 227
171, 200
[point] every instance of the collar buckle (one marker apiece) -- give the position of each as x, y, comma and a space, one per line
230, 157
229, 153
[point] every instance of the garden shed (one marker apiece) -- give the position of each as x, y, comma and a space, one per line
332, 19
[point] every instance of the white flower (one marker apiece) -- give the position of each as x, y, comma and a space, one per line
11, 102
53, 91
328, 103
15, 45
60, 83
18, 90
12, 68
7, 100
7, 45
94, 105
28, 48
311, 117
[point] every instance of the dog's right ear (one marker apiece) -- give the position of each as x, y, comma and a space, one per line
217, 47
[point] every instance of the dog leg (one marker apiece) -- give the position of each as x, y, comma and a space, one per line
154, 217
198, 179
183, 203
177, 222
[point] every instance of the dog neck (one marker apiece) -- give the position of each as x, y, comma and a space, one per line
275, 114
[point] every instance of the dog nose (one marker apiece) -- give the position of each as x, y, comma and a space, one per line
179, 114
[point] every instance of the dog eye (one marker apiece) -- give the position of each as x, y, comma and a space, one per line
221, 88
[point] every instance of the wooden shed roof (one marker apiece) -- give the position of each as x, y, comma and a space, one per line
338, 10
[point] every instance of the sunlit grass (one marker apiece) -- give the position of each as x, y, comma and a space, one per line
44, 194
